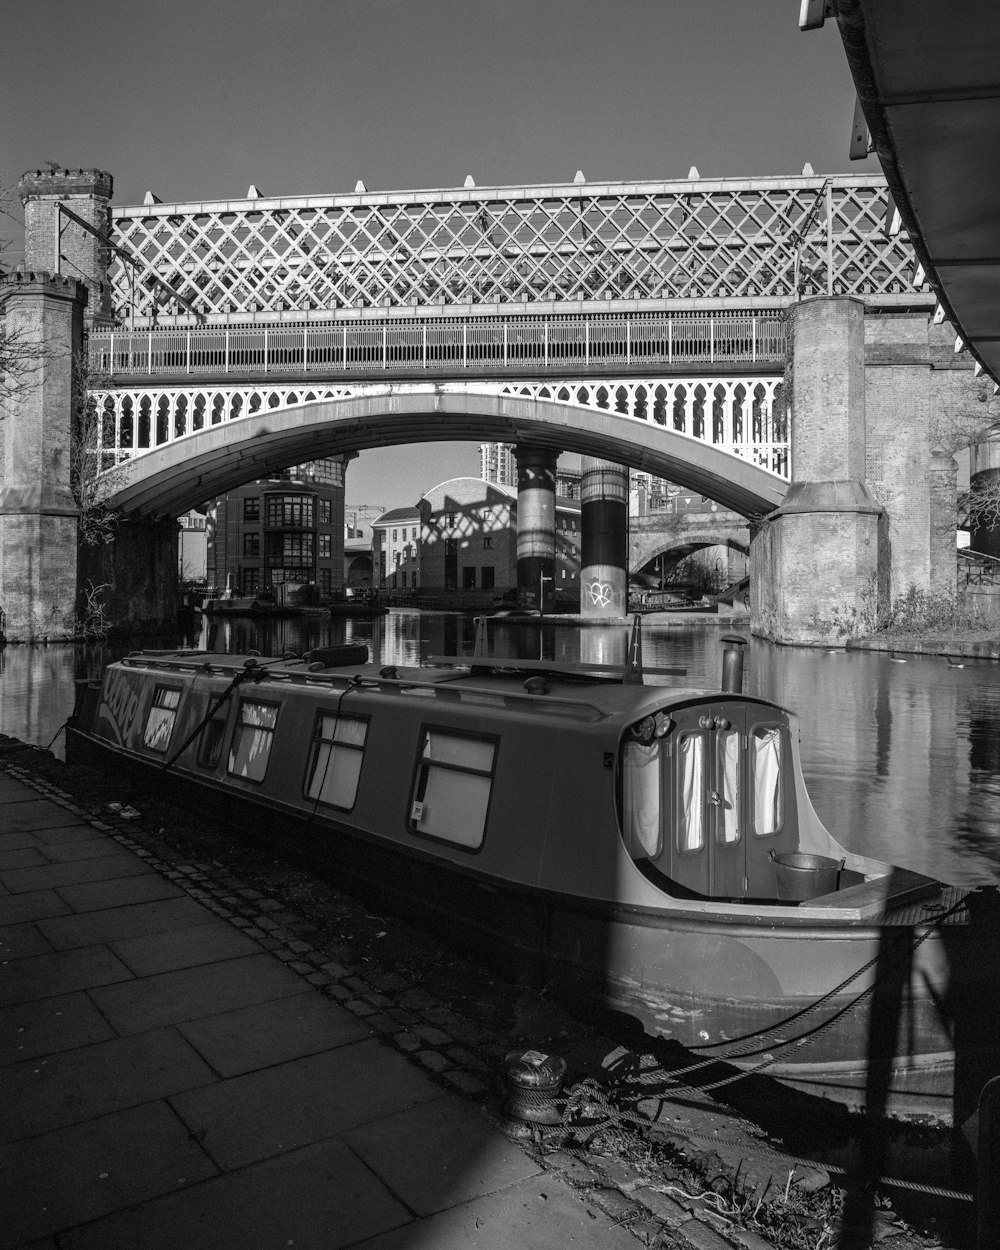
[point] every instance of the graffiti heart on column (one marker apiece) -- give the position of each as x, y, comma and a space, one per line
600, 594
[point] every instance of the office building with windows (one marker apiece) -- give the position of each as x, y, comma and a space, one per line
282, 531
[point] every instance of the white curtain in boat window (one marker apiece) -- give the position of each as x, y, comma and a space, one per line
691, 816
336, 768
767, 806
252, 740
641, 798
729, 766
160, 721
453, 788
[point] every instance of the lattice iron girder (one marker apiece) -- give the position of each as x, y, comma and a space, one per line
745, 417
721, 240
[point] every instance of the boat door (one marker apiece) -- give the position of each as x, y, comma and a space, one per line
705, 784
723, 798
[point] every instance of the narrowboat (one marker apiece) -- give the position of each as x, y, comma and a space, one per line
634, 842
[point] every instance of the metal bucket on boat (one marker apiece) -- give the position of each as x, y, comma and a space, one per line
800, 875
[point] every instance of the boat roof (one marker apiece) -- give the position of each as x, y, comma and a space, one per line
577, 690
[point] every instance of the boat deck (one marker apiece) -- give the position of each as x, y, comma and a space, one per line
173, 1077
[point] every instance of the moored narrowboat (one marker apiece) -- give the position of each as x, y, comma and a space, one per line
637, 843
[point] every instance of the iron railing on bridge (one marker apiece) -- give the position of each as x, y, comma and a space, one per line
454, 345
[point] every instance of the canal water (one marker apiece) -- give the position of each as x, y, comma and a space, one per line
902, 758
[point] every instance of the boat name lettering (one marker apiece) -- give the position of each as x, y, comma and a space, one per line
121, 703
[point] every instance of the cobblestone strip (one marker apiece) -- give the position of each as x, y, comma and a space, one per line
425, 1030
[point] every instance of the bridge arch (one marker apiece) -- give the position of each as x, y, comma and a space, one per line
217, 458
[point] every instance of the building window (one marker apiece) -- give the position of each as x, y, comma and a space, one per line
252, 740
251, 581
395, 536
487, 543
325, 581
451, 794
290, 550
468, 579
451, 520
402, 579
251, 544
325, 512
338, 751
251, 508
488, 577
290, 511
325, 546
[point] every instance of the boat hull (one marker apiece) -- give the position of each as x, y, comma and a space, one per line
650, 966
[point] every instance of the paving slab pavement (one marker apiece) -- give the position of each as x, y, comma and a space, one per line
169, 1083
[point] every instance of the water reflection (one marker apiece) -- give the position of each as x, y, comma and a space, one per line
902, 760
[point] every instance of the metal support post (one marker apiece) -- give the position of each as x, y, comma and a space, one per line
988, 1168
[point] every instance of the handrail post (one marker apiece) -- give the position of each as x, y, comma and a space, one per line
465, 344
670, 341
628, 343
546, 342
988, 1168
188, 351
385, 348
265, 349
424, 328
505, 338
305, 348
586, 342
227, 349
753, 338
149, 353
112, 369
711, 339
345, 349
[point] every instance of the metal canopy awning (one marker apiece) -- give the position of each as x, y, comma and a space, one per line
928, 78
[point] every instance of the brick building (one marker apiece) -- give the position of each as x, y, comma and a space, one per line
286, 530
468, 538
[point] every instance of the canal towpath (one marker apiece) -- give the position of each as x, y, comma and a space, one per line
171, 1081
185, 1070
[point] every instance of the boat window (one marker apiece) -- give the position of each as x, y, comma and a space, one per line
767, 770
728, 829
643, 763
691, 814
160, 721
210, 741
452, 790
338, 749
252, 740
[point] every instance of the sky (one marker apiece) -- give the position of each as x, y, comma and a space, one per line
199, 99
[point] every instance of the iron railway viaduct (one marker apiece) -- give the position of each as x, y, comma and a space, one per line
766, 342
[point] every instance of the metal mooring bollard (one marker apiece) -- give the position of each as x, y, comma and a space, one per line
533, 1084
988, 1168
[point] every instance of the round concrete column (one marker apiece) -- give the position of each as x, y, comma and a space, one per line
604, 539
80, 254
984, 473
536, 526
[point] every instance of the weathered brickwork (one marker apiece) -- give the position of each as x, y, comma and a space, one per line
38, 515
87, 192
829, 392
871, 397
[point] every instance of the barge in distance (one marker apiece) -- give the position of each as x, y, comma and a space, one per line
634, 842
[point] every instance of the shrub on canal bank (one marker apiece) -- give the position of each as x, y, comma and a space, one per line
915, 614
